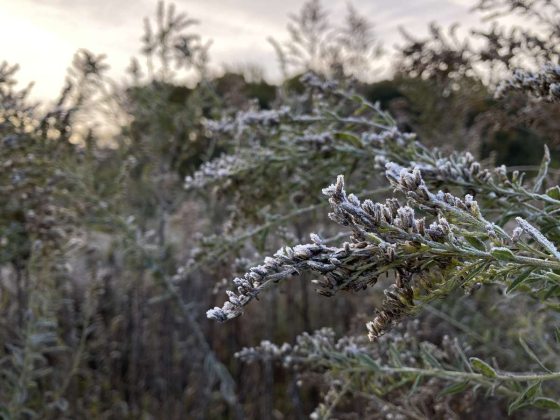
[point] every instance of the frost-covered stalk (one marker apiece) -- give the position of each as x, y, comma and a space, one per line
392, 363
542, 84
428, 256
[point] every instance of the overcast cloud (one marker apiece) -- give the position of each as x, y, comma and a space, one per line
42, 35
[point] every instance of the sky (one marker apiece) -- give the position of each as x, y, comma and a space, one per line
43, 35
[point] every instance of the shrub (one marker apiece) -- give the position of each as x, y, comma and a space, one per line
432, 237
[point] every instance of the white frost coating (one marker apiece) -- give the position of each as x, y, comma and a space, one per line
538, 236
544, 84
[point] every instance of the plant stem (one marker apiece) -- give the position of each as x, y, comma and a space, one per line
451, 374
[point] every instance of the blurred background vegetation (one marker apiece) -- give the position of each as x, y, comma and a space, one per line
108, 262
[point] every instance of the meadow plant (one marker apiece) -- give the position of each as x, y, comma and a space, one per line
432, 237
544, 84
437, 269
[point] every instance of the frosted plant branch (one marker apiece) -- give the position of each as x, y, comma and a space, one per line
538, 237
427, 259
320, 352
333, 138
543, 84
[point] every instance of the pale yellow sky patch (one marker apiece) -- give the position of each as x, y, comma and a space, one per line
43, 35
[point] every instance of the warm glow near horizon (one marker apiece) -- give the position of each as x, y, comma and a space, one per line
42, 35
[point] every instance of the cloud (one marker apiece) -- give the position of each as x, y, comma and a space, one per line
48, 33
108, 13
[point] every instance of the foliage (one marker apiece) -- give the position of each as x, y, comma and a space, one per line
114, 242
457, 243
315, 44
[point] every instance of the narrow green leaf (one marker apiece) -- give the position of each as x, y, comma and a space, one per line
526, 398
368, 361
357, 98
394, 356
551, 292
531, 353
482, 367
543, 170
532, 391
554, 192
416, 384
475, 242
373, 237
516, 405
462, 355
519, 280
502, 254
547, 403
553, 277
429, 358
474, 272
349, 138
456, 388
